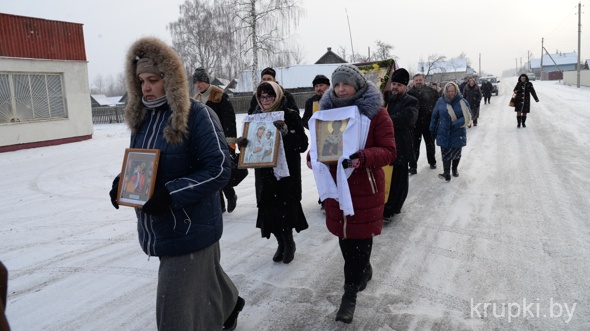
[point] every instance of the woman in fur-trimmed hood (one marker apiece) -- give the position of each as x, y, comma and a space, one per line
181, 222
366, 183
175, 84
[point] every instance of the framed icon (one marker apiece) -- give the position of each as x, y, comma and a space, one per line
138, 176
329, 135
263, 143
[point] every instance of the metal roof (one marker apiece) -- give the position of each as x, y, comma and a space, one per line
559, 58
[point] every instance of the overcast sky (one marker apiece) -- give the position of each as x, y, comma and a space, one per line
503, 32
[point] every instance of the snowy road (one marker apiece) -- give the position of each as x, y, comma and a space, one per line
506, 246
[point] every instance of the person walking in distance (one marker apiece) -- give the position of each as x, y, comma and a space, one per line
320, 84
472, 95
486, 90
403, 110
450, 118
214, 97
181, 223
522, 105
427, 97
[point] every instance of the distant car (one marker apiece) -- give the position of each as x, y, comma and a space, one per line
493, 80
531, 76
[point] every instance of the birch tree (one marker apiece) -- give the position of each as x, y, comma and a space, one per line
264, 26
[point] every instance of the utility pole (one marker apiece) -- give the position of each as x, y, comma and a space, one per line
542, 47
528, 56
579, 42
516, 67
350, 34
479, 65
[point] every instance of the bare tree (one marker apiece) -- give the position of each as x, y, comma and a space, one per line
98, 85
464, 56
197, 35
342, 50
434, 61
264, 25
383, 51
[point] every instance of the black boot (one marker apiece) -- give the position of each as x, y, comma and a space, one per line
518, 119
232, 321
455, 164
280, 250
231, 203
348, 304
523, 120
446, 175
367, 276
289, 253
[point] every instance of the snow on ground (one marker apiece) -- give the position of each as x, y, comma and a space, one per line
506, 246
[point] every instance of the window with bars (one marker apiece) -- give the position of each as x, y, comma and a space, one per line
31, 97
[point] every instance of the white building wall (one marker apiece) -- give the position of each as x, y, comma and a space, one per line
571, 78
77, 99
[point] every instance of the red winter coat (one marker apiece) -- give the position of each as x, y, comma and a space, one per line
366, 183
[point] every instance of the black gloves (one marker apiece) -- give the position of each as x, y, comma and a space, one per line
113, 192
158, 203
353, 161
282, 127
242, 142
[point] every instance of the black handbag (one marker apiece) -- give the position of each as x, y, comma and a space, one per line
237, 174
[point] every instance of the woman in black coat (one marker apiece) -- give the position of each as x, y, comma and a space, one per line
279, 200
522, 100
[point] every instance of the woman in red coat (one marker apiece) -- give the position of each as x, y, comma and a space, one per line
366, 183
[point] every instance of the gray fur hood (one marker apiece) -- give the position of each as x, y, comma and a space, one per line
175, 84
369, 102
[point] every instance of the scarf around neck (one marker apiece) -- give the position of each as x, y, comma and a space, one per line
151, 104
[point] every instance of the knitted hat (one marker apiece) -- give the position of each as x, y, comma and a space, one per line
401, 76
145, 64
200, 75
349, 74
269, 71
320, 79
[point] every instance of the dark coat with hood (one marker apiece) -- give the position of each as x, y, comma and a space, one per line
279, 201
367, 183
472, 94
403, 110
219, 102
523, 95
194, 160
427, 97
449, 133
486, 88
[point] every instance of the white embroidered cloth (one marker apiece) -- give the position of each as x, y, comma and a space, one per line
354, 139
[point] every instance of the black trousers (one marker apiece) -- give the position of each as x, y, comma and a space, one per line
430, 147
229, 192
398, 192
357, 257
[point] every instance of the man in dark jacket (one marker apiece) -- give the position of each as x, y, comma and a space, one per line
320, 84
269, 75
403, 110
216, 99
427, 98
